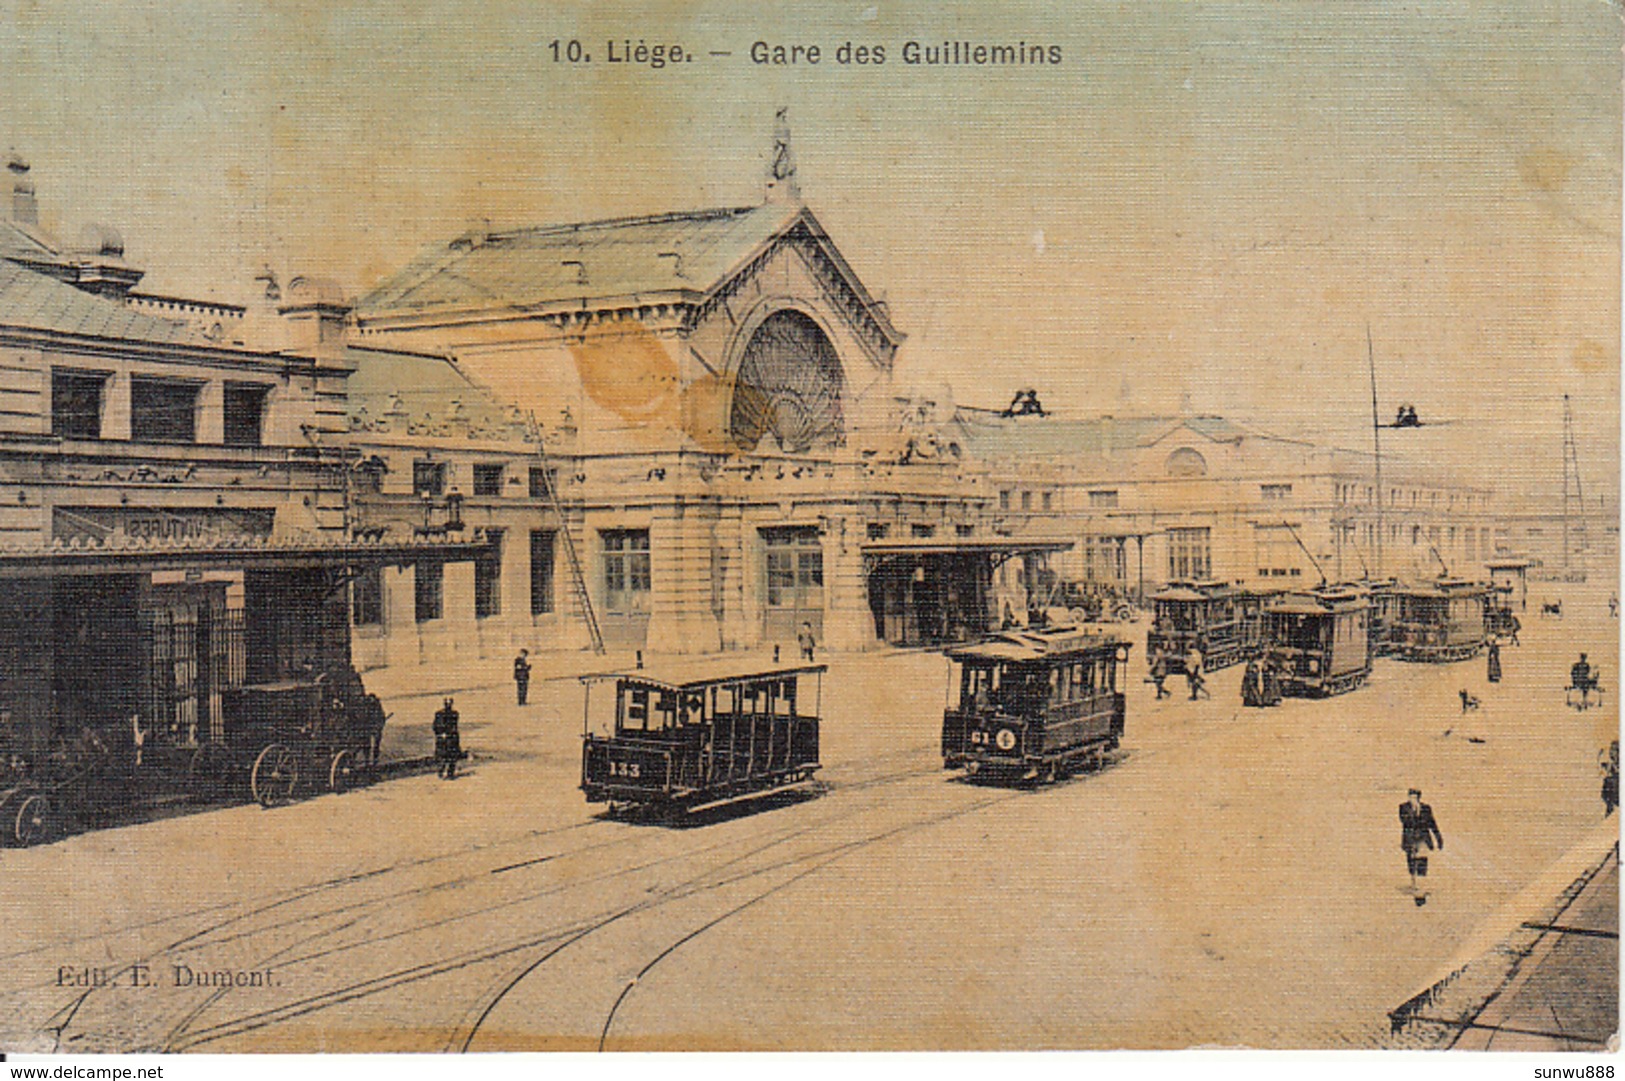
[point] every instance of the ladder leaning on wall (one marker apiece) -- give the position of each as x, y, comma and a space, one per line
578, 581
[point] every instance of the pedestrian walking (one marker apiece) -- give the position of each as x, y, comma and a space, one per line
1193, 674
1512, 632
1583, 678
1418, 831
448, 744
1159, 674
805, 641
521, 674
1494, 672
1609, 761
1252, 684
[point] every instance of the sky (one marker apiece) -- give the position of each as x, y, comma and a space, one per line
1204, 206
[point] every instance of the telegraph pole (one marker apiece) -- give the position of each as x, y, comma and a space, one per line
1376, 443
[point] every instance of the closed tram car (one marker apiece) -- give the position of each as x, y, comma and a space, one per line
1439, 621
1034, 705
1319, 640
698, 734
1384, 603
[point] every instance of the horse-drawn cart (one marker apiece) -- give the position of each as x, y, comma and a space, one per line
295, 735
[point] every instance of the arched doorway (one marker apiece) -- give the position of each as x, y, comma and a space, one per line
789, 387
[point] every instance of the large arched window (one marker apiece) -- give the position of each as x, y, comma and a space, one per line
1186, 462
789, 386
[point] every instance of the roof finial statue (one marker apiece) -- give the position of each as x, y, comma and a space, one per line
781, 170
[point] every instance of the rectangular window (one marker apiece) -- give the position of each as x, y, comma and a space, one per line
429, 583
922, 531
795, 568
1049, 500
626, 570
541, 572
367, 597
878, 530
1277, 551
1004, 500
1026, 501
1103, 498
487, 478
488, 577
244, 414
1275, 491
428, 478
965, 530
542, 481
76, 404
163, 410
1190, 553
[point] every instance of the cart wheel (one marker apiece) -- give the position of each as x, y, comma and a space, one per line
35, 820
1078, 615
206, 774
1123, 613
342, 771
276, 771
9, 798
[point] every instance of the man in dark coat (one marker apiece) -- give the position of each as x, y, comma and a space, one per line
1493, 670
521, 674
1418, 830
448, 744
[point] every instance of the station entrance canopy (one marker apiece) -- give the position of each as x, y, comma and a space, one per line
930, 592
97, 631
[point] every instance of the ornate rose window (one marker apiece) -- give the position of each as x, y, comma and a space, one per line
789, 387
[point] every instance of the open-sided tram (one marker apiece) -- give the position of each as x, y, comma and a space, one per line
1319, 640
1034, 705
700, 733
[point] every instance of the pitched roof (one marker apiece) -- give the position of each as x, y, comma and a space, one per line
423, 394
618, 257
39, 302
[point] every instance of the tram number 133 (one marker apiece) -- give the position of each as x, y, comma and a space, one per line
630, 770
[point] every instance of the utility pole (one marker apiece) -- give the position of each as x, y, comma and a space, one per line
1574, 526
1376, 444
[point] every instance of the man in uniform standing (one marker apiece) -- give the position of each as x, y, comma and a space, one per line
448, 744
521, 674
1418, 830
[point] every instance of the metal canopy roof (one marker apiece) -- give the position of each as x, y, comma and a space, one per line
950, 545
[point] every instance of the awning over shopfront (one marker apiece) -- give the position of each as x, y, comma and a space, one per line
145, 556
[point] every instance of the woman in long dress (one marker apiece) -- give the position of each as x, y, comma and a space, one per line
1495, 661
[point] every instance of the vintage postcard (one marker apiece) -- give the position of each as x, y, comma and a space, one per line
865, 527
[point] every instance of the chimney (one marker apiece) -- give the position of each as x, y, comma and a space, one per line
24, 210
316, 315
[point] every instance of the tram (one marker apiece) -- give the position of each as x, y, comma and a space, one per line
701, 733
1207, 615
1439, 621
1034, 705
1319, 640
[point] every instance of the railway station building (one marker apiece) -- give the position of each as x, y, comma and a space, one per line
1151, 499
691, 441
